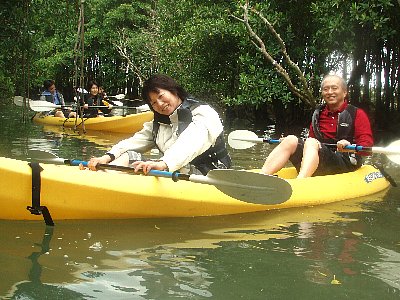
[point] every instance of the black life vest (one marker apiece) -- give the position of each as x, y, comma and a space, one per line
344, 131
96, 100
214, 156
345, 125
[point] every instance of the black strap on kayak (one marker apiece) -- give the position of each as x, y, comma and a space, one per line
36, 208
386, 175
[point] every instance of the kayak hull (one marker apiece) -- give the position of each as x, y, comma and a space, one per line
70, 193
121, 124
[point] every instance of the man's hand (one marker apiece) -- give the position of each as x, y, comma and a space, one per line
342, 144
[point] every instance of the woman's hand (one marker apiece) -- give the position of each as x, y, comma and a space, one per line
85, 106
94, 161
146, 166
342, 144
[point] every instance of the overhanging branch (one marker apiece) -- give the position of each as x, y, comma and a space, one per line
305, 93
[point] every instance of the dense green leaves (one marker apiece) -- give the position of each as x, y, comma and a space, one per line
205, 46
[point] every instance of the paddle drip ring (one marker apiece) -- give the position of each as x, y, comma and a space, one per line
175, 176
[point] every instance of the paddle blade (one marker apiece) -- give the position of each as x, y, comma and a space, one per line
142, 108
251, 187
41, 106
81, 90
243, 139
45, 156
118, 103
120, 96
19, 100
393, 152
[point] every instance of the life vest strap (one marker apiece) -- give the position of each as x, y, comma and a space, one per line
36, 208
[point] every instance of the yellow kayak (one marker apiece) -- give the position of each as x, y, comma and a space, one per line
122, 124
70, 193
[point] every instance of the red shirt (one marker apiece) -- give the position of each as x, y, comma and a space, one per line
362, 127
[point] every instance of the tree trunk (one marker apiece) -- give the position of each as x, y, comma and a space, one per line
387, 89
379, 114
280, 117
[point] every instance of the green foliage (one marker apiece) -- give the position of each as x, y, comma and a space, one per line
338, 21
258, 80
201, 43
258, 84
375, 15
121, 24
6, 86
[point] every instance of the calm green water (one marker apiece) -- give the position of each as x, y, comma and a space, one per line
287, 254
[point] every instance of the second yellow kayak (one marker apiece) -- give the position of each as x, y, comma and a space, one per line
122, 124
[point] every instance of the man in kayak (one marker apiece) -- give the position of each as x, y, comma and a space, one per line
50, 94
335, 122
185, 130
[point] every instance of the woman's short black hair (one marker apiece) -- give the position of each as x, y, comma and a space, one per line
92, 83
160, 81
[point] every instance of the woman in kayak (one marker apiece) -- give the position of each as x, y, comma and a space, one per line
95, 98
186, 132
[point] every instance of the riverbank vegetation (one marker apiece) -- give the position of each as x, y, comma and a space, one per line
259, 60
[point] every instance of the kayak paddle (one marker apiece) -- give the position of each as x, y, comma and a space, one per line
42, 106
243, 139
246, 186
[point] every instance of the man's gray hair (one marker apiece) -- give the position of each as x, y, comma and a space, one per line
342, 81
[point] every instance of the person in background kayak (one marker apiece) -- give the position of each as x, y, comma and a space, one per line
336, 122
50, 94
103, 93
95, 98
185, 130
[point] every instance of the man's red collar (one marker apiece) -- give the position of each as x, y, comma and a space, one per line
342, 108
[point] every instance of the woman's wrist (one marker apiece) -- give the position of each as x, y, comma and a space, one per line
165, 165
162, 164
109, 157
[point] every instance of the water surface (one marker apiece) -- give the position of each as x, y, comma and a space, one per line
344, 250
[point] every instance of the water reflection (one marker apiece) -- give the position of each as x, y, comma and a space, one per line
100, 138
161, 258
34, 286
36, 269
388, 269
